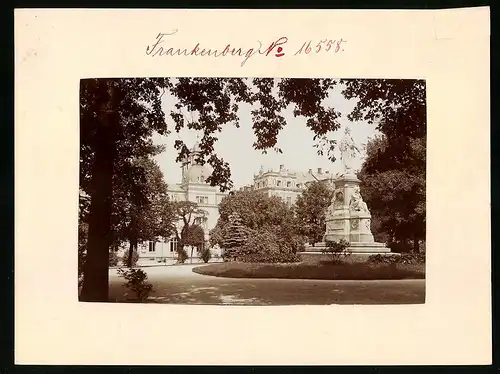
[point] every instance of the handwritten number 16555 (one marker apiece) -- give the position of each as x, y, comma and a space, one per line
325, 45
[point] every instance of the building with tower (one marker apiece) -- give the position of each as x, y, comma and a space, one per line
192, 187
285, 183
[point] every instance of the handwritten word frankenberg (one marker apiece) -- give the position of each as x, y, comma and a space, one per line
275, 48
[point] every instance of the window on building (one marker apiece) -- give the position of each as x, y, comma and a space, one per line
152, 246
278, 183
173, 245
289, 184
299, 185
202, 199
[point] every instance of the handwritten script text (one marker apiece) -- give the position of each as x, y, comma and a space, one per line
275, 48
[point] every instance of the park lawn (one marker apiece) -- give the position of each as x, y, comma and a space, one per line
324, 270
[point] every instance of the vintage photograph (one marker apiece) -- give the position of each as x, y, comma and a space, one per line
252, 191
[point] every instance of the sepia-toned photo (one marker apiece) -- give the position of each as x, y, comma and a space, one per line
252, 191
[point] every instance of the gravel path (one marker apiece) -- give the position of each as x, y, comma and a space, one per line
179, 285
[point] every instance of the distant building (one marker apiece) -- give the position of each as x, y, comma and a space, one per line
285, 183
192, 187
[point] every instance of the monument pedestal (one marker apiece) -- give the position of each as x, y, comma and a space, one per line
348, 218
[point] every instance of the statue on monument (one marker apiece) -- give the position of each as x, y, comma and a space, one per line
357, 204
348, 150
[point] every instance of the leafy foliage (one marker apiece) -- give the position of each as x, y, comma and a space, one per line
182, 255
255, 227
396, 194
234, 238
206, 255
186, 212
338, 250
136, 282
266, 246
323, 270
413, 258
142, 210
113, 258
131, 258
393, 174
256, 210
214, 104
194, 236
117, 121
310, 209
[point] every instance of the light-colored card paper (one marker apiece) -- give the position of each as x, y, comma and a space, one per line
54, 49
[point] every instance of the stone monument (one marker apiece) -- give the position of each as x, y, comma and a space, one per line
348, 216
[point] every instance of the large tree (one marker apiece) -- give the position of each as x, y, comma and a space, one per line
256, 210
194, 236
396, 195
393, 174
117, 120
233, 236
310, 209
187, 212
141, 207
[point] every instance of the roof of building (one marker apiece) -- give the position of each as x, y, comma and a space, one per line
197, 174
175, 188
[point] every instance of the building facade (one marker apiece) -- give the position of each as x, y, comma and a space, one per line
193, 187
285, 183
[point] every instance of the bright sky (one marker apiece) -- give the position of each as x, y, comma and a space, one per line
235, 144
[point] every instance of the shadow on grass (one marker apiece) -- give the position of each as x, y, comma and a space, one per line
323, 270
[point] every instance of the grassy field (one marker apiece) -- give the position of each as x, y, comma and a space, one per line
325, 270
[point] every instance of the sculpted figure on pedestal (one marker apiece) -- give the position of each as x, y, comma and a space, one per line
357, 204
348, 151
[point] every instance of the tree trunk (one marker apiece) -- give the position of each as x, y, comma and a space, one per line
131, 248
416, 247
132, 240
96, 269
95, 283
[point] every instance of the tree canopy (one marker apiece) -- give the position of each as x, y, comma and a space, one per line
310, 209
396, 194
393, 175
186, 212
255, 209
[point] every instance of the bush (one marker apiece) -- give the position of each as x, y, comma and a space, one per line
206, 255
403, 246
113, 258
411, 258
338, 250
136, 282
182, 255
267, 246
135, 258
383, 259
331, 271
